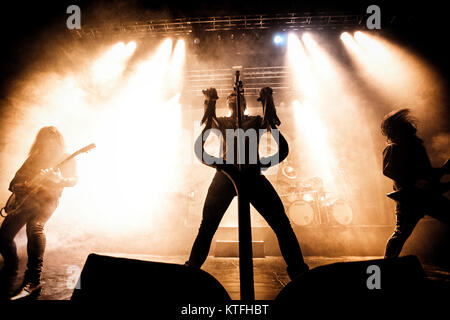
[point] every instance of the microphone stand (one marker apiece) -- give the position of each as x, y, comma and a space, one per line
237, 178
244, 223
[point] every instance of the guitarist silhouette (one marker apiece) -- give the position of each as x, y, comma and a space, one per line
257, 189
417, 187
37, 202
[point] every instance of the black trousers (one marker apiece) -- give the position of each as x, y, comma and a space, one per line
34, 215
408, 215
265, 199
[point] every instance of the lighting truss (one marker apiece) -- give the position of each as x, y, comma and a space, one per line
187, 26
254, 78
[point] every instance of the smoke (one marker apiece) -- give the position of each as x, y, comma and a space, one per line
141, 186
96, 92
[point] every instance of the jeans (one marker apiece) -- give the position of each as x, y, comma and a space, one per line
34, 214
265, 199
408, 215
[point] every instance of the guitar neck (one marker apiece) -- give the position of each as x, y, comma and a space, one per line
63, 162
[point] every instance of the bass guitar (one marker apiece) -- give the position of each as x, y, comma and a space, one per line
435, 187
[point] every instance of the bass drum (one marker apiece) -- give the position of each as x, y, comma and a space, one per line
341, 212
301, 213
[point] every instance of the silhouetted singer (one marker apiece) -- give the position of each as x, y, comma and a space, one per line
260, 192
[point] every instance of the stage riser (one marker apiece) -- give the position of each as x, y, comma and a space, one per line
429, 241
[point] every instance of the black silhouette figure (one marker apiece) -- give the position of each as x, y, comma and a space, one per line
417, 187
260, 192
39, 201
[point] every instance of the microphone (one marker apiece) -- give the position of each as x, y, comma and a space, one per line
238, 83
236, 77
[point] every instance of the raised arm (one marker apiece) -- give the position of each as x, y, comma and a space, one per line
211, 125
270, 122
209, 106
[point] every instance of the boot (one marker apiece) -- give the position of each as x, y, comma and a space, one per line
28, 290
31, 285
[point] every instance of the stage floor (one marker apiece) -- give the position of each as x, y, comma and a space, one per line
62, 270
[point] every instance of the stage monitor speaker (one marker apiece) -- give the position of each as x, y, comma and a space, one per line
347, 283
105, 278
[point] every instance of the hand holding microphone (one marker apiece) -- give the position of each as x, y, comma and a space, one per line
270, 119
209, 105
210, 94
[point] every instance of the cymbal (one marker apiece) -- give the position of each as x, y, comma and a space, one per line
289, 172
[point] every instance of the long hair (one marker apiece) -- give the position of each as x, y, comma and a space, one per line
399, 125
48, 139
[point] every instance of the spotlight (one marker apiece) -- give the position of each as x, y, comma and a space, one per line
196, 41
112, 63
279, 39
307, 38
351, 44
345, 36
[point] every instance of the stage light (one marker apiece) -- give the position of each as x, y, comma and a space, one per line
322, 61
306, 38
146, 71
345, 36
301, 65
141, 139
137, 155
395, 72
111, 65
351, 44
179, 52
175, 73
279, 39
130, 47
311, 127
365, 41
359, 35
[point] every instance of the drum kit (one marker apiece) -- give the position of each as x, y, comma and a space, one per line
307, 202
